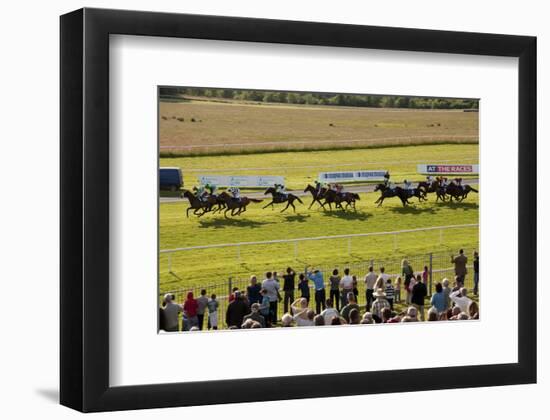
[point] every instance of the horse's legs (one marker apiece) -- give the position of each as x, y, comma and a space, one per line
267, 205
287, 205
313, 201
187, 212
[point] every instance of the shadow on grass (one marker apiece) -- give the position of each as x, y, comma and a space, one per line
298, 217
454, 205
412, 210
347, 215
222, 223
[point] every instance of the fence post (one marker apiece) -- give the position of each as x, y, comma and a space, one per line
431, 272
230, 287
170, 262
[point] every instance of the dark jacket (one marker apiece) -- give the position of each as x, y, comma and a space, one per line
419, 293
460, 265
236, 311
255, 316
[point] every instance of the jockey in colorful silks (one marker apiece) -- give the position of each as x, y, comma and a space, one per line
408, 187
281, 190
235, 192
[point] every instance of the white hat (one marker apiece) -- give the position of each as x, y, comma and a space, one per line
379, 293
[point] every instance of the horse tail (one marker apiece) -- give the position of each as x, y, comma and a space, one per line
297, 198
473, 189
256, 200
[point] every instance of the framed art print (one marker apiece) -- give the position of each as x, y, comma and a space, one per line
352, 204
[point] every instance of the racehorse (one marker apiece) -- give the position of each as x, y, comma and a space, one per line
277, 198
459, 193
236, 205
386, 192
318, 195
337, 198
197, 204
418, 192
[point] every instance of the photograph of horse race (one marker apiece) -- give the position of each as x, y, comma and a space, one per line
292, 209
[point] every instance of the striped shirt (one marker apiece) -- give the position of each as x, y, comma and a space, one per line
390, 291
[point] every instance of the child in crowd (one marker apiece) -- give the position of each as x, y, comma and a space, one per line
213, 305
390, 292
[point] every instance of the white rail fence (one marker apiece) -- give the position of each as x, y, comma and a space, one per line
296, 241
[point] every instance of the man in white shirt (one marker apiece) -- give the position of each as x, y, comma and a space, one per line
370, 280
346, 284
272, 288
329, 313
461, 299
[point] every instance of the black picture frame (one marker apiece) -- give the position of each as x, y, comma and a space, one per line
84, 336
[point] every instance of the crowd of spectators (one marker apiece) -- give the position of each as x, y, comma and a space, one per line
257, 305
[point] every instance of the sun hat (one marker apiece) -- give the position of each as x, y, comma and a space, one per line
379, 293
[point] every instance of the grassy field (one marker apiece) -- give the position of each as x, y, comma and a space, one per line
301, 168
212, 266
198, 127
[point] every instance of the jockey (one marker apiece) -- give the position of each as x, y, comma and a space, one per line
201, 192
235, 192
408, 186
280, 189
211, 188
444, 182
339, 188
387, 178
459, 183
430, 179
390, 185
318, 187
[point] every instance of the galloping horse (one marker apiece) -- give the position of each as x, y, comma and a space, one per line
389, 193
197, 204
236, 205
419, 193
337, 198
459, 193
277, 198
318, 195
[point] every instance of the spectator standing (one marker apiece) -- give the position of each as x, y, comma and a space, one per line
460, 262
202, 302
407, 272
335, 289
346, 284
272, 287
370, 280
171, 313
253, 291
265, 308
320, 295
213, 306
330, 312
349, 306
303, 285
190, 307
236, 311
389, 293
419, 293
382, 279
438, 300
379, 304
476, 273
288, 288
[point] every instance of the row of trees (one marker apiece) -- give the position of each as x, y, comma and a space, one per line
376, 101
